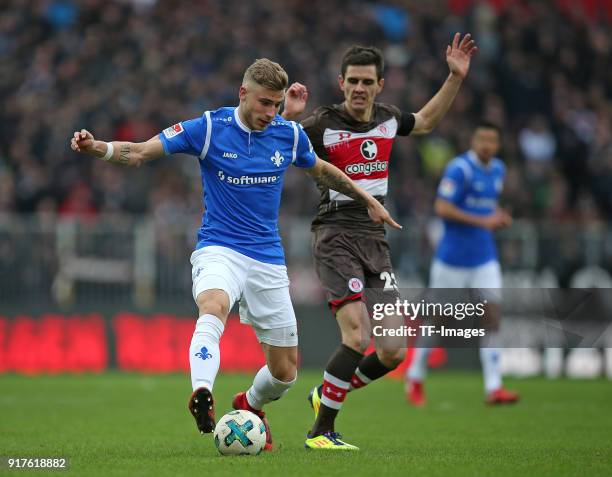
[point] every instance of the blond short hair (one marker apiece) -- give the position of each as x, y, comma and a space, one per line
266, 73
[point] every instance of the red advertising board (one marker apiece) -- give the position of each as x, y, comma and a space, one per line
82, 343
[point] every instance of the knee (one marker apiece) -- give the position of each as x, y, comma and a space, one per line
491, 322
284, 370
211, 306
355, 340
353, 335
492, 317
354, 326
391, 358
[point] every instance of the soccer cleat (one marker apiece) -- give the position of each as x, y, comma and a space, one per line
314, 398
240, 402
501, 396
329, 441
202, 408
415, 393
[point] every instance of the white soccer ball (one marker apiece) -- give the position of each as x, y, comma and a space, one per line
240, 433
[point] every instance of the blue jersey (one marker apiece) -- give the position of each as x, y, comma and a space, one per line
242, 177
474, 188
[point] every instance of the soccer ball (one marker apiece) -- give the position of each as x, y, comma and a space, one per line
240, 433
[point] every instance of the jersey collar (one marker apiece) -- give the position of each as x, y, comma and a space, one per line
473, 157
241, 125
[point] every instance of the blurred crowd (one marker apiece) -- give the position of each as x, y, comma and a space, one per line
127, 69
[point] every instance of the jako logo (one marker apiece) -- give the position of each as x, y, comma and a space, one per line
231, 155
203, 353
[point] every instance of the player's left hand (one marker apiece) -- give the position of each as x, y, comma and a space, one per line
296, 98
459, 54
505, 219
380, 215
500, 219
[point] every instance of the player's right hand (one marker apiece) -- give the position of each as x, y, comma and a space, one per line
82, 141
380, 215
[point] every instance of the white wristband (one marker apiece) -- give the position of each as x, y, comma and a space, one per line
109, 151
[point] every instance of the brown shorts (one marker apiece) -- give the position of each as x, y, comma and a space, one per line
353, 266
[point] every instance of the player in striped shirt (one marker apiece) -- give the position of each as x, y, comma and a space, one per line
351, 252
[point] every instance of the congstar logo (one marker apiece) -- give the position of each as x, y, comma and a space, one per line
367, 168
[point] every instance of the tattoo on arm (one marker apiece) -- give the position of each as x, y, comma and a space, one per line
336, 180
124, 155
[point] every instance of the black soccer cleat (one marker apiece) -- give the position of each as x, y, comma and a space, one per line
202, 408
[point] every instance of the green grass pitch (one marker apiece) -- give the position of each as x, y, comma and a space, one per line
122, 424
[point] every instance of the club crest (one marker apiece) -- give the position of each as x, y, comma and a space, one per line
277, 159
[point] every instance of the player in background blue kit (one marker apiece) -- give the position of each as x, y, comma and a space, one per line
466, 256
243, 154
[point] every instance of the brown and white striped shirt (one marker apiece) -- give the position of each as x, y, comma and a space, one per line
360, 149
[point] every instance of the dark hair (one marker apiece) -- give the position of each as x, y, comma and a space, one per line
488, 125
363, 56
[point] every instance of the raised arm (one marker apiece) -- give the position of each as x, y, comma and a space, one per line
120, 152
458, 56
330, 176
296, 98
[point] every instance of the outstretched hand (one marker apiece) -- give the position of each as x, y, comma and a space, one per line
380, 215
296, 98
459, 54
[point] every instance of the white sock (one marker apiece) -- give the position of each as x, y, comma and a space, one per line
418, 367
490, 356
266, 388
204, 357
